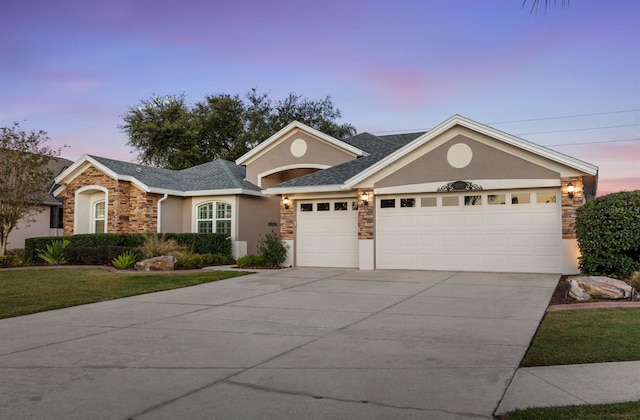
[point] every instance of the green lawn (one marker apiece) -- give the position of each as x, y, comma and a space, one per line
586, 336
28, 291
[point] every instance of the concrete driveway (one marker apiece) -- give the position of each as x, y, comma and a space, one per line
297, 343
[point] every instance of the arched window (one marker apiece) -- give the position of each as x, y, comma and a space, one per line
99, 219
214, 217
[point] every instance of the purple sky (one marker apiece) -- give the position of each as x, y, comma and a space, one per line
72, 68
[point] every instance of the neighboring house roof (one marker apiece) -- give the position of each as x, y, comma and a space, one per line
56, 165
218, 177
351, 173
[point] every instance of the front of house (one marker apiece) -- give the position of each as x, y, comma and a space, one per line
462, 196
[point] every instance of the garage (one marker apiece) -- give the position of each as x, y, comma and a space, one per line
513, 231
327, 233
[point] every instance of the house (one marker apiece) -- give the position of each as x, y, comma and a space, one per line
461, 196
47, 221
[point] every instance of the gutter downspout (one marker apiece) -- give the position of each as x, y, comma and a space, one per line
160, 211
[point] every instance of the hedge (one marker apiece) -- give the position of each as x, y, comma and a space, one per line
201, 243
608, 234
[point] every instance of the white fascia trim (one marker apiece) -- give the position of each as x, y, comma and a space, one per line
486, 184
244, 159
480, 128
202, 193
307, 189
527, 145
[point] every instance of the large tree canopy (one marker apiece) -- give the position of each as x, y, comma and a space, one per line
24, 176
167, 132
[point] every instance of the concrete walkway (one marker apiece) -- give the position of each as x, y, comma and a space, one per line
287, 344
549, 386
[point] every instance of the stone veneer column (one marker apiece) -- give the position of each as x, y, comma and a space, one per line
366, 226
287, 221
569, 205
287, 229
366, 230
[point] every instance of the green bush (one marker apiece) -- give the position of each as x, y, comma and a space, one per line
251, 261
98, 255
201, 243
125, 260
197, 261
608, 233
54, 252
10, 260
272, 249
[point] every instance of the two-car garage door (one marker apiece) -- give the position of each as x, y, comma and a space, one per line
517, 231
513, 231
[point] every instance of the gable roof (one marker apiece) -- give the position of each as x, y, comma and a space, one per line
218, 177
274, 139
349, 174
328, 179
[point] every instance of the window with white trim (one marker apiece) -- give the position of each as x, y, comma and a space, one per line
210, 221
99, 219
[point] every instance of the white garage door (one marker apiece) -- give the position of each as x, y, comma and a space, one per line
327, 233
518, 231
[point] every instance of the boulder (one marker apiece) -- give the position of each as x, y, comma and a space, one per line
163, 263
595, 287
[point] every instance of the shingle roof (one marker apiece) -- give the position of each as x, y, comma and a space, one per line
215, 175
378, 148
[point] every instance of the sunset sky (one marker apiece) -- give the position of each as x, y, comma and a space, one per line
72, 68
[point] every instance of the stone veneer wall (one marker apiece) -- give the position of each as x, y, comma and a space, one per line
287, 220
366, 225
129, 209
569, 205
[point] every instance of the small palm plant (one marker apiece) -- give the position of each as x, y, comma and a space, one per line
54, 254
125, 260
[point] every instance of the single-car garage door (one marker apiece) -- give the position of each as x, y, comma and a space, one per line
327, 233
516, 231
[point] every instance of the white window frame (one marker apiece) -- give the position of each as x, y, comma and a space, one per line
95, 218
214, 216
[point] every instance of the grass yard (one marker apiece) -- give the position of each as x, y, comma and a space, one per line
630, 410
25, 292
586, 336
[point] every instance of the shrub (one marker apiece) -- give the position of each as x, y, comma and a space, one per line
124, 260
195, 261
158, 245
608, 233
191, 261
251, 261
272, 249
99, 255
10, 260
201, 243
54, 252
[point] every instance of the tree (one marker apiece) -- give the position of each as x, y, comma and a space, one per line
168, 133
535, 4
24, 176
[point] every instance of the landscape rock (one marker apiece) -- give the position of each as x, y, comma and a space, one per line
163, 263
596, 287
